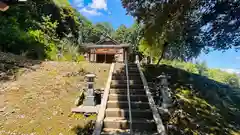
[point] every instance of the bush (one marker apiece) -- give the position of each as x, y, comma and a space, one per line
36, 28
201, 68
80, 58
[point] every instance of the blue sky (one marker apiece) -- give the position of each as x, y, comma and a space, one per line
225, 60
103, 11
112, 11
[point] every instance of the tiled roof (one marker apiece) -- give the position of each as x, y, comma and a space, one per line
107, 38
106, 46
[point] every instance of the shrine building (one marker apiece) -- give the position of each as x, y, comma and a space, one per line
106, 50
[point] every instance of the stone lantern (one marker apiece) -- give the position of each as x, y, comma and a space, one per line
165, 91
89, 103
90, 98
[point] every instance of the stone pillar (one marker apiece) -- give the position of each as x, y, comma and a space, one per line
136, 59
95, 57
90, 100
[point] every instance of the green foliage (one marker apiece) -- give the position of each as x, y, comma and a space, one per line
122, 34
105, 28
38, 29
46, 36
200, 105
148, 50
201, 68
80, 58
191, 68
188, 27
62, 3
131, 35
224, 77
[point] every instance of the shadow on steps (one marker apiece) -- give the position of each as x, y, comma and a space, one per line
117, 111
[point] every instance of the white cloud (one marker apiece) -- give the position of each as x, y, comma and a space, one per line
238, 58
109, 13
88, 11
92, 9
99, 4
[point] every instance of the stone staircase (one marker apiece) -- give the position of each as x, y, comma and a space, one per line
116, 119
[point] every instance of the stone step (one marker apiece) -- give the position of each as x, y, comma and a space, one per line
124, 77
136, 113
109, 131
139, 124
118, 97
124, 74
124, 104
132, 64
131, 82
131, 70
113, 131
124, 91
124, 86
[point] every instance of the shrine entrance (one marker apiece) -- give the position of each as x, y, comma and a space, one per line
105, 58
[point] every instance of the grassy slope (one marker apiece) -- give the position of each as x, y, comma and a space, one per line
62, 2
203, 106
40, 101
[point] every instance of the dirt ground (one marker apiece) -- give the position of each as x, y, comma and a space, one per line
39, 102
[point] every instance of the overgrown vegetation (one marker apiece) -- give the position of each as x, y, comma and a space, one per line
202, 69
52, 29
200, 106
39, 29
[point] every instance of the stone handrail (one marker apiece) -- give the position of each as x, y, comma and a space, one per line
160, 127
101, 112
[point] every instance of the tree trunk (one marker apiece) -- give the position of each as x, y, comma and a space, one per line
162, 54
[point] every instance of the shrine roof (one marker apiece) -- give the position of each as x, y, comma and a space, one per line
106, 42
106, 46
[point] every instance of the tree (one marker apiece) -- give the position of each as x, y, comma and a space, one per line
136, 36
105, 28
122, 34
188, 27
36, 28
202, 67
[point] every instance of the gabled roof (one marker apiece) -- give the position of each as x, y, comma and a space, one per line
107, 38
106, 46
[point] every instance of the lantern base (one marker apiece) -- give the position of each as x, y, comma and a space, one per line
86, 109
89, 101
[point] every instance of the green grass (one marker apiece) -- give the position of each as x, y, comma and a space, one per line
62, 3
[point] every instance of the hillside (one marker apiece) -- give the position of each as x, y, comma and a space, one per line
36, 97
38, 29
201, 105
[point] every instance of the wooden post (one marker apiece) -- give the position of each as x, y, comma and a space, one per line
105, 58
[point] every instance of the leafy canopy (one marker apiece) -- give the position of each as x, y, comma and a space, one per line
188, 27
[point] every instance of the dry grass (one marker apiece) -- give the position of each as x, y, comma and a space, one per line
40, 102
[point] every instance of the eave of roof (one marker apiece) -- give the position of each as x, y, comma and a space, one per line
106, 46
